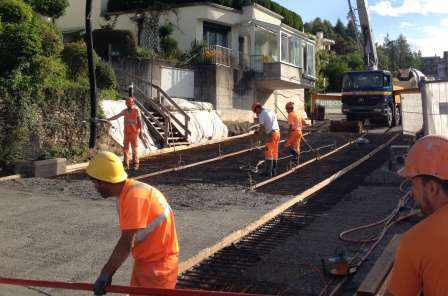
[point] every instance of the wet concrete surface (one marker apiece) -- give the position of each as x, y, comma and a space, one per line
62, 230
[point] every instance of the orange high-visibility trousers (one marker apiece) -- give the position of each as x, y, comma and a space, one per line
271, 152
161, 274
293, 140
130, 140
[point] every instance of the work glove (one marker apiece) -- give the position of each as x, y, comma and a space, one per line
99, 287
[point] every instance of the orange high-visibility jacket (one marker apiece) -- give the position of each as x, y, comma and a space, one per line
132, 123
141, 206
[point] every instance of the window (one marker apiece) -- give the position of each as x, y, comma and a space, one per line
266, 45
291, 50
215, 34
310, 60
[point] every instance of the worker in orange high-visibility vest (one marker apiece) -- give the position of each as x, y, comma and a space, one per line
268, 124
132, 129
147, 226
293, 140
421, 260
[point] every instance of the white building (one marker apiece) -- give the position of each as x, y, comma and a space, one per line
253, 39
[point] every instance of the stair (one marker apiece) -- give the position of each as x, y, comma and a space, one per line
166, 129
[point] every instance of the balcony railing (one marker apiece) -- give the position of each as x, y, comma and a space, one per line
217, 55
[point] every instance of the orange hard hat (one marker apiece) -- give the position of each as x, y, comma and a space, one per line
428, 156
130, 101
255, 106
289, 105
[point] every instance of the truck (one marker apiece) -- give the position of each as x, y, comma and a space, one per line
373, 94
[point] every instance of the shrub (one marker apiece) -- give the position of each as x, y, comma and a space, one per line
51, 39
19, 43
122, 41
144, 53
50, 8
168, 46
14, 11
291, 18
75, 56
166, 30
105, 76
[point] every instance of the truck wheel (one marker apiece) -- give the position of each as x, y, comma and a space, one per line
397, 116
389, 119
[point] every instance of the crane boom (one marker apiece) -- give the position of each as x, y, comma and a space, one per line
367, 40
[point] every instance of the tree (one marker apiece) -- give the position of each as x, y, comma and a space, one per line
340, 28
50, 8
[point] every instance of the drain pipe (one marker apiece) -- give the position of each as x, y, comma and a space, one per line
92, 80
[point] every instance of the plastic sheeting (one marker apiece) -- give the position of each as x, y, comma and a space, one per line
205, 123
111, 108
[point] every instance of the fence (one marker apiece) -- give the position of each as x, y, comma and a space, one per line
411, 112
217, 55
426, 110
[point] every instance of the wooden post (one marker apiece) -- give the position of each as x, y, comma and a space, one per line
158, 97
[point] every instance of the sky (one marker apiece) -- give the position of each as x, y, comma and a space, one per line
423, 22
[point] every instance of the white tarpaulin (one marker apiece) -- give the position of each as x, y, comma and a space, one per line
111, 108
205, 123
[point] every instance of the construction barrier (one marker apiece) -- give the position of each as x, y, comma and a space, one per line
115, 289
331, 103
426, 110
411, 112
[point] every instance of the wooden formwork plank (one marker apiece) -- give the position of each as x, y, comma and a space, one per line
263, 183
237, 235
377, 275
81, 166
11, 177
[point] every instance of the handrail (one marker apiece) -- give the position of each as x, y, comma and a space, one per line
161, 108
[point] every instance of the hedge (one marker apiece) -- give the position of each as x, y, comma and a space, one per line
120, 40
13, 11
50, 8
290, 18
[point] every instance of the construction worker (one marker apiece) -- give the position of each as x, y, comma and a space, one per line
147, 227
294, 133
267, 119
132, 130
421, 261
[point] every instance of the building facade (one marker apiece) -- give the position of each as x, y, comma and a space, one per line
436, 67
249, 54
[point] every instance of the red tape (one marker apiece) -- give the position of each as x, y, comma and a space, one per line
115, 289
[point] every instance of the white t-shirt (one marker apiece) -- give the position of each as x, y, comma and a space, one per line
268, 119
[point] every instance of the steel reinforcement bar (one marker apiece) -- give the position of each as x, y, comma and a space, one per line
275, 213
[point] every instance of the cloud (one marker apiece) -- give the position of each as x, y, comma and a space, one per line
424, 7
444, 22
434, 42
405, 25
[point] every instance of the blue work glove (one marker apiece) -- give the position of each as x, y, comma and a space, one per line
99, 288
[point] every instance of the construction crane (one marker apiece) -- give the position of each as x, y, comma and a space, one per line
367, 41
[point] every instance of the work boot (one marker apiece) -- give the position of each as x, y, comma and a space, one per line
269, 164
274, 167
295, 156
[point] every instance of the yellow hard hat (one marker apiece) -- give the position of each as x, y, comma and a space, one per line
107, 167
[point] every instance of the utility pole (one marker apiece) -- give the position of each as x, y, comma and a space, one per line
92, 80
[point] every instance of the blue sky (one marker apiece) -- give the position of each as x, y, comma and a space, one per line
423, 22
